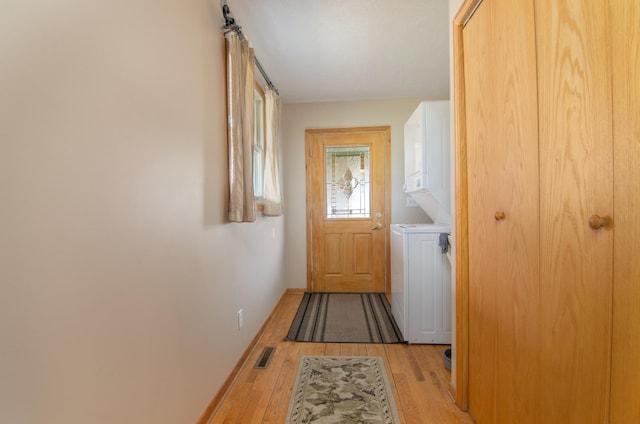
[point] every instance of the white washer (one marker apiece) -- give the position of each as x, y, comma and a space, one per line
421, 283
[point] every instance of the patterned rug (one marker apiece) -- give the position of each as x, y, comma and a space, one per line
342, 389
344, 318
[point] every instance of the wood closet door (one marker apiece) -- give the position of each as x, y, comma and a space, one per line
483, 155
625, 365
576, 182
502, 151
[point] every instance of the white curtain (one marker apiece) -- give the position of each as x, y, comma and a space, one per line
240, 86
272, 195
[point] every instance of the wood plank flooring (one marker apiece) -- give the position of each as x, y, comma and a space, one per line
419, 382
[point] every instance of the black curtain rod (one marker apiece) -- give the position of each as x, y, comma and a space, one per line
231, 25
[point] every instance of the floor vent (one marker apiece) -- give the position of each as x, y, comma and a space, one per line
265, 357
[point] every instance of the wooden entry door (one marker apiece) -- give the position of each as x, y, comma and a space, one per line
347, 209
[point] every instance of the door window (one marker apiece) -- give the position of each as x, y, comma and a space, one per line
348, 187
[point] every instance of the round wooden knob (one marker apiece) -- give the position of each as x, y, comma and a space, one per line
596, 221
499, 216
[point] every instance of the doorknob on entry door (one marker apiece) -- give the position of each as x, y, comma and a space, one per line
378, 226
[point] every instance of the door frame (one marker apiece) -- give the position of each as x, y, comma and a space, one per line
461, 391
386, 129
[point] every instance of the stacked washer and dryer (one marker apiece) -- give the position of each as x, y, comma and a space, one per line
420, 267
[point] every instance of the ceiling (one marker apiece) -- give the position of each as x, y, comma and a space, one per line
332, 50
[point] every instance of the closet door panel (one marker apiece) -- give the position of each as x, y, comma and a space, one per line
574, 76
518, 233
501, 118
483, 158
625, 375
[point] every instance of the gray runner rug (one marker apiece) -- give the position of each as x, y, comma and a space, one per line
344, 318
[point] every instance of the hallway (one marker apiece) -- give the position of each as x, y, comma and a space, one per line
420, 383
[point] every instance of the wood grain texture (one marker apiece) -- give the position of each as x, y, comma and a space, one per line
346, 254
516, 179
418, 379
576, 181
229, 381
502, 182
625, 373
362, 254
482, 160
460, 355
310, 141
588, 58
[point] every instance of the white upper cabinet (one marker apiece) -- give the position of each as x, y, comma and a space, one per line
426, 156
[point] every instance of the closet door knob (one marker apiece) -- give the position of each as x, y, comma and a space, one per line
596, 221
499, 216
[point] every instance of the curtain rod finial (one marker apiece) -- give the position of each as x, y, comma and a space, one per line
226, 13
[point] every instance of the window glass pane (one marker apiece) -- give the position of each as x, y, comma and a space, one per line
258, 143
258, 129
258, 172
348, 189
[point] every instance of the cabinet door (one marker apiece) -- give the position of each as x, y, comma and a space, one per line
501, 125
437, 152
429, 291
625, 375
576, 182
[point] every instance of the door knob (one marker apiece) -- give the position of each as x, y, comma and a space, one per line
378, 226
596, 221
499, 216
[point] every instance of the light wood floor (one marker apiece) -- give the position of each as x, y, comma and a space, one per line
418, 379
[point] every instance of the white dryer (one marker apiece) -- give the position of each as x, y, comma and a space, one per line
421, 283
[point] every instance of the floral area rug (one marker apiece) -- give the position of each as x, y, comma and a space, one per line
342, 389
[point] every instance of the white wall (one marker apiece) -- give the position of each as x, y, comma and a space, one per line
301, 116
119, 278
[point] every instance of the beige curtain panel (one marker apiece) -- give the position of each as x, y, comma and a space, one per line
272, 196
240, 86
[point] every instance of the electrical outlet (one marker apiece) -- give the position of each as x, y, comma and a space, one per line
240, 319
411, 203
